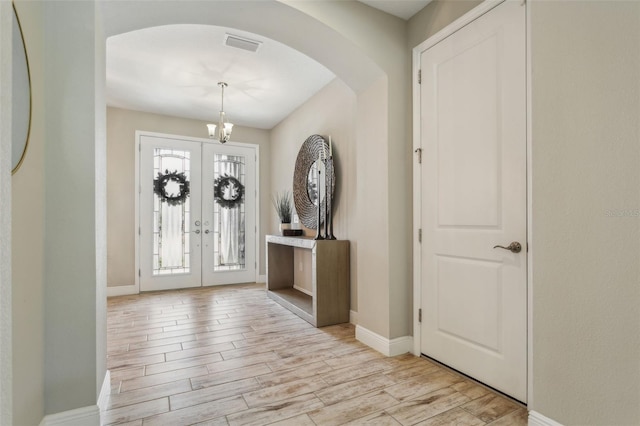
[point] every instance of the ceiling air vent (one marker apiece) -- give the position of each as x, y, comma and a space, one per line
241, 42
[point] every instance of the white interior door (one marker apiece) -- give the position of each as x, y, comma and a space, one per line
209, 237
473, 197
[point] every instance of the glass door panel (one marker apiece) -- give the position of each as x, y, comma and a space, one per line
229, 214
171, 248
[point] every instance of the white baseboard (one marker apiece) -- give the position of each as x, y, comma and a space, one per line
353, 317
85, 416
393, 347
126, 290
537, 419
122, 290
401, 345
105, 391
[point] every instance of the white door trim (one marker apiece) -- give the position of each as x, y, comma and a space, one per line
529, 210
456, 25
139, 135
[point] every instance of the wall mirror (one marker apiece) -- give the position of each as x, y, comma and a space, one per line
308, 191
21, 103
315, 191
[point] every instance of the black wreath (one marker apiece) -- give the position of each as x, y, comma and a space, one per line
219, 187
160, 187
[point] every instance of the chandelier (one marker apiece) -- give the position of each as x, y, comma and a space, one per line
224, 127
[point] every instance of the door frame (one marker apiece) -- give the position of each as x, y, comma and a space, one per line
139, 135
447, 31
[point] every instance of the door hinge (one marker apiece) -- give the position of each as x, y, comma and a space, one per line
419, 152
419, 315
420, 235
139, 231
139, 273
419, 76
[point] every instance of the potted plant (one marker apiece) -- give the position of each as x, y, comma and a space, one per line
284, 207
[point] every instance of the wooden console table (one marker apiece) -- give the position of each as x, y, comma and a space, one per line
329, 302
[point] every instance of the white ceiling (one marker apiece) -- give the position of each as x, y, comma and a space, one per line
175, 69
404, 9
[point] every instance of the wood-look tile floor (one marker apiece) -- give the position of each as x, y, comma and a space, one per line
231, 356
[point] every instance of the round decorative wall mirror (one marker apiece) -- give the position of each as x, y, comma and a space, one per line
309, 186
21, 106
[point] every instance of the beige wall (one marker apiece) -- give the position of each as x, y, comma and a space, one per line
121, 127
330, 112
72, 317
372, 202
586, 199
384, 161
27, 242
434, 17
6, 86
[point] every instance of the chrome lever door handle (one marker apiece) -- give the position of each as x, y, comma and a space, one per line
514, 247
206, 231
197, 231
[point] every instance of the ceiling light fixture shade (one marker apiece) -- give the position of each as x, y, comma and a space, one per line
224, 127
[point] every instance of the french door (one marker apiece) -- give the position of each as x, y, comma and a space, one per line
197, 213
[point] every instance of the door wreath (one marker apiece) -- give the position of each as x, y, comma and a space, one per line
228, 191
160, 187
